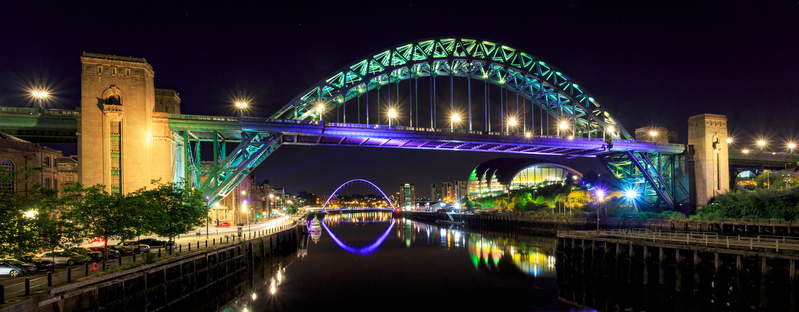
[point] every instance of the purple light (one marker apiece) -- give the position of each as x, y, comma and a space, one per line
353, 180
363, 250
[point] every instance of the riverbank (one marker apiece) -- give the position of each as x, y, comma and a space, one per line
551, 225
162, 283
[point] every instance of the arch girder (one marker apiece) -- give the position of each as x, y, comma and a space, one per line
499, 64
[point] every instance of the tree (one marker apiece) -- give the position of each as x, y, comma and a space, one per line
291, 209
28, 222
173, 209
93, 212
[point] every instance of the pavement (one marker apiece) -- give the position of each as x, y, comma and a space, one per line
14, 286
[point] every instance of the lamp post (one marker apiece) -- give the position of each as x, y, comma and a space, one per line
653, 134
40, 95
564, 125
452, 121
600, 194
244, 210
241, 106
319, 110
271, 202
391, 115
216, 207
511, 122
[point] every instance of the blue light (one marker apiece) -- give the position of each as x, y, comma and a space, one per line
631, 194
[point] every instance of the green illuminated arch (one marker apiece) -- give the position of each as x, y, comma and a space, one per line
499, 64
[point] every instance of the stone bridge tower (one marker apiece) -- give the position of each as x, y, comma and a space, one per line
124, 140
707, 138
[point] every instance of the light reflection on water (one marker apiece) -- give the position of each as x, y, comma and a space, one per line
419, 258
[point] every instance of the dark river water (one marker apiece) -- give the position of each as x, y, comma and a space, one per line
372, 262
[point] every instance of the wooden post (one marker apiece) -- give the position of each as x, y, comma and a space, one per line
678, 274
646, 265
791, 276
697, 261
763, 283
661, 264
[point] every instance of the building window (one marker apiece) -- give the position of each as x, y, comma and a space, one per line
100, 69
46, 161
127, 71
7, 177
46, 182
70, 178
113, 100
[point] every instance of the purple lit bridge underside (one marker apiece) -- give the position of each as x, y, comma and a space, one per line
363, 250
310, 132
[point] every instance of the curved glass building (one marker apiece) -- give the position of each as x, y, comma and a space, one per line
496, 176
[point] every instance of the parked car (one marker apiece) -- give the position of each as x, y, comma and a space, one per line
137, 247
7, 269
112, 253
157, 243
41, 264
24, 266
92, 254
223, 224
63, 257
123, 250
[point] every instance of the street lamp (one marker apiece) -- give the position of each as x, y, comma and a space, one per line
455, 119
392, 113
244, 210
241, 106
319, 110
40, 95
216, 207
564, 125
511, 122
631, 194
791, 146
653, 134
761, 144
600, 194
729, 140
528, 135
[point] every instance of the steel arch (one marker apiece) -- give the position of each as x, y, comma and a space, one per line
358, 180
499, 64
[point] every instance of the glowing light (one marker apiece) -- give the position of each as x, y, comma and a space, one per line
761, 143
746, 151
254, 296
363, 250
600, 194
244, 207
243, 192
30, 214
241, 105
611, 129
512, 121
630, 194
456, 118
791, 146
320, 108
271, 195
729, 140
528, 134
216, 205
39, 94
272, 289
279, 276
392, 113
653, 133
571, 137
564, 125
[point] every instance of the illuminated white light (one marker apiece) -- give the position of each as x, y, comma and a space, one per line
30, 214
512, 121
564, 125
611, 129
729, 140
456, 118
528, 134
392, 113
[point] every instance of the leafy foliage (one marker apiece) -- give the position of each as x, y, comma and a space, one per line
171, 209
28, 221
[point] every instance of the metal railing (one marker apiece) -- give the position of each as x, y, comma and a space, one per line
760, 242
29, 285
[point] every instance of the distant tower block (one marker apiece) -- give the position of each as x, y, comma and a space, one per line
707, 136
119, 140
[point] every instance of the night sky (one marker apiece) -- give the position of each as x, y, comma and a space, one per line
650, 64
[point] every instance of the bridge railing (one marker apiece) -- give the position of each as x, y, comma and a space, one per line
406, 128
36, 111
